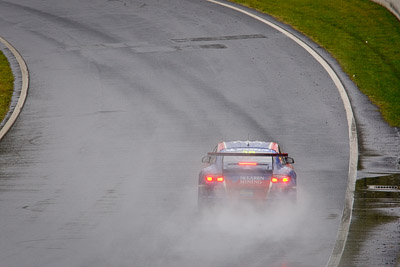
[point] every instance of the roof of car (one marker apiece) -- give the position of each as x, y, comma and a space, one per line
243, 144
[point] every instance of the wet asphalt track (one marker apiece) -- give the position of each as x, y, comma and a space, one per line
125, 98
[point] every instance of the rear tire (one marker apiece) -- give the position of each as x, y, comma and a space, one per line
292, 196
201, 201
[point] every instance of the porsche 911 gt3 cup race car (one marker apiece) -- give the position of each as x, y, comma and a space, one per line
252, 171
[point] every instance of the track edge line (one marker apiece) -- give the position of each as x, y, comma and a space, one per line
24, 88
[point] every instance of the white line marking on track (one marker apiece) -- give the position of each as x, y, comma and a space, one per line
24, 89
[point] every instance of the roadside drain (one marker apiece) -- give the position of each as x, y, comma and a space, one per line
384, 188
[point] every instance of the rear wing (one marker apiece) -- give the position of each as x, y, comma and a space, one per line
207, 159
247, 154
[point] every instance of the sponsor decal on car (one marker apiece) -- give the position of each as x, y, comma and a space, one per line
251, 179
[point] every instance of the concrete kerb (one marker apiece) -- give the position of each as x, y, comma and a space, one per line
23, 92
341, 239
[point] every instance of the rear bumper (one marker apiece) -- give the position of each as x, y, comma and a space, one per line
212, 195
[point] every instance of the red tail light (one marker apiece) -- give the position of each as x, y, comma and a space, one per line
283, 179
247, 163
209, 178
214, 178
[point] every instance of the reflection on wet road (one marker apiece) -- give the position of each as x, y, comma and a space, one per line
374, 235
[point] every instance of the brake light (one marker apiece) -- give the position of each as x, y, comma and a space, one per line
247, 163
211, 178
284, 179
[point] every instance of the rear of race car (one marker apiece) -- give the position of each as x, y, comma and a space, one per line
241, 178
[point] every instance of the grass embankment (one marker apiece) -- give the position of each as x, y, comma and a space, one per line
363, 36
6, 86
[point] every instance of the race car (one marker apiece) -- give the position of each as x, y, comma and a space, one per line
252, 171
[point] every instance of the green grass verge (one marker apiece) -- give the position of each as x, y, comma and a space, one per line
6, 86
363, 36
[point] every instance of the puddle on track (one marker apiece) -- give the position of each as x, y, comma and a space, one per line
374, 235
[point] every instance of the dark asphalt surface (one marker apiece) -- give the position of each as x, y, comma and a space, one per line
125, 98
